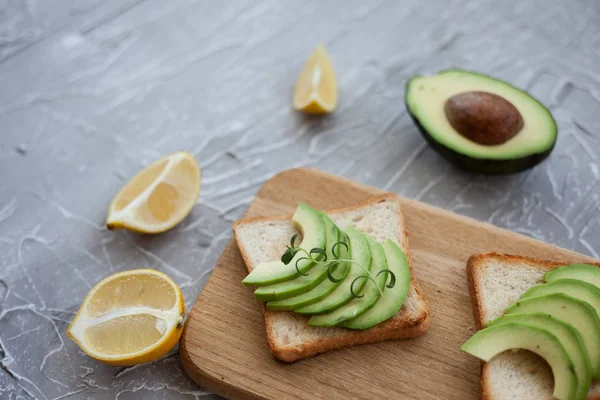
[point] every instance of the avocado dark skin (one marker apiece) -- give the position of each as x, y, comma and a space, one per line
483, 166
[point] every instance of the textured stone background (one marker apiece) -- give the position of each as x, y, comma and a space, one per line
93, 90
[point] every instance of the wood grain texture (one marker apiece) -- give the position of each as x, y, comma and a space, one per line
224, 348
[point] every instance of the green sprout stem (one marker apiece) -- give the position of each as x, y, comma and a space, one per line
309, 258
369, 274
322, 260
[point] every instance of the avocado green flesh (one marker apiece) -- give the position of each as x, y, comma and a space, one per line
283, 290
306, 220
569, 310
489, 342
393, 298
426, 98
359, 253
568, 337
571, 287
302, 283
322, 290
583, 272
370, 292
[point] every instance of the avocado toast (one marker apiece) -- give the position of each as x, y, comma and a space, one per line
289, 334
510, 290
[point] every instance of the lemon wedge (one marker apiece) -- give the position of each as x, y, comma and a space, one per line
316, 88
130, 318
158, 197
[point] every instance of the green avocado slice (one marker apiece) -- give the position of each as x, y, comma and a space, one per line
489, 342
571, 287
583, 272
357, 306
310, 223
359, 253
393, 298
323, 289
302, 283
426, 100
568, 336
572, 311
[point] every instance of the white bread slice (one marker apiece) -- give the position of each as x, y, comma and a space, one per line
496, 281
289, 336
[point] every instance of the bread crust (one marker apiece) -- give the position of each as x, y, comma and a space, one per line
474, 265
400, 326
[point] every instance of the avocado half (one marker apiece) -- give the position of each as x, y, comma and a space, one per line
534, 130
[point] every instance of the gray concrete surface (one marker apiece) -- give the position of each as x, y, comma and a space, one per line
93, 90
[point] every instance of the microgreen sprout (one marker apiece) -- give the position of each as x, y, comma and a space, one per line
318, 256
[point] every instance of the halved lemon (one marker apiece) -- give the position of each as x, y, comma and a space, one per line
130, 318
316, 88
158, 197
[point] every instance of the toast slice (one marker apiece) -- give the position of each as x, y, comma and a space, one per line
495, 282
289, 336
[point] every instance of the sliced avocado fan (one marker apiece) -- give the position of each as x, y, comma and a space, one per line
344, 281
568, 337
572, 311
489, 342
568, 309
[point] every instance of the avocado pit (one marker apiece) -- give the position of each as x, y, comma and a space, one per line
483, 117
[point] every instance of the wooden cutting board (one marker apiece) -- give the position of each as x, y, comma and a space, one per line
224, 348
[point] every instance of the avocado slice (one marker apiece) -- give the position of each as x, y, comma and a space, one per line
583, 272
323, 289
571, 287
359, 253
309, 222
489, 342
393, 298
572, 311
302, 283
480, 123
369, 296
568, 336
